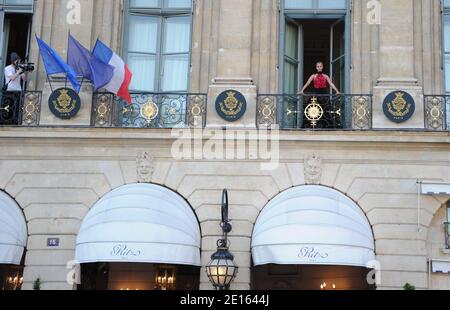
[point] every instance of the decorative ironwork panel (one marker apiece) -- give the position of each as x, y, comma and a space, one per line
266, 114
314, 112
102, 111
292, 116
361, 111
150, 110
435, 112
31, 108
10, 103
196, 111
323, 112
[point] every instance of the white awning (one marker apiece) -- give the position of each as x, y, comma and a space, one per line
13, 231
312, 225
434, 188
440, 265
142, 223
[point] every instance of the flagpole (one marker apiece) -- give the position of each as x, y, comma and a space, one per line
65, 83
50, 83
81, 84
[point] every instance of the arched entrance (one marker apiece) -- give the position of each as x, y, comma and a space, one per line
13, 241
140, 237
312, 238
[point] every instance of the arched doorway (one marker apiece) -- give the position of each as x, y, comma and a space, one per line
13, 241
438, 248
140, 237
312, 238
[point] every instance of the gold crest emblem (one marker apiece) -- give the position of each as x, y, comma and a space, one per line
231, 106
399, 107
314, 112
64, 103
149, 110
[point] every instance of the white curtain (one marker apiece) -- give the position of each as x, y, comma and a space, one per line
143, 68
177, 34
142, 49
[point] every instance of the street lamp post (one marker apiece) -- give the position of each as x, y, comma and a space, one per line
222, 269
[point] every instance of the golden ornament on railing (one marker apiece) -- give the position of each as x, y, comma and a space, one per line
149, 111
314, 112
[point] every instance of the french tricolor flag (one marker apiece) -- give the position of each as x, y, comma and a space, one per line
121, 80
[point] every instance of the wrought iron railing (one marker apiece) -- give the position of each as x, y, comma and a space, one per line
183, 110
447, 235
436, 112
315, 112
150, 110
20, 108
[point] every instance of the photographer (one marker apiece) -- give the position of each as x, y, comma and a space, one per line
14, 75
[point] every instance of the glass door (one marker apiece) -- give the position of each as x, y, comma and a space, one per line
292, 67
337, 54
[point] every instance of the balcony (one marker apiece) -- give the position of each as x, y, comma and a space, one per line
315, 112
348, 112
338, 112
148, 110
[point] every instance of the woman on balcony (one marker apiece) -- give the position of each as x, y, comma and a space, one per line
329, 116
321, 82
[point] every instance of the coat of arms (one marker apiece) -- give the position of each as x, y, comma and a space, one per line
64, 103
399, 107
231, 105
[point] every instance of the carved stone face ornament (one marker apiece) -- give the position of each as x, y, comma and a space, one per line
145, 167
313, 169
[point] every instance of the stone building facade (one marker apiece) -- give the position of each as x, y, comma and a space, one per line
398, 174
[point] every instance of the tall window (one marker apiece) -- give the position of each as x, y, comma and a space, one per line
447, 226
447, 52
312, 31
15, 25
159, 44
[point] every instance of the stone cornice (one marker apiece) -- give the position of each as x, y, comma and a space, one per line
81, 133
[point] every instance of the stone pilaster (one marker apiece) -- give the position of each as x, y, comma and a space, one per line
234, 58
397, 62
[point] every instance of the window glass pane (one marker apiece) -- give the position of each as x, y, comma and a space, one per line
332, 4
144, 4
290, 78
448, 212
178, 4
291, 48
176, 69
447, 3
447, 32
447, 73
299, 4
319, 4
177, 32
143, 68
143, 34
19, 2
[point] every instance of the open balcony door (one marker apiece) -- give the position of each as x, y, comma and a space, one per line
338, 54
293, 71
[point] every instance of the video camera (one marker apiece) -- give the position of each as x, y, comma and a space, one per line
26, 67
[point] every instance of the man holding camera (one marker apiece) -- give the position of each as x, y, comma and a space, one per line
14, 75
